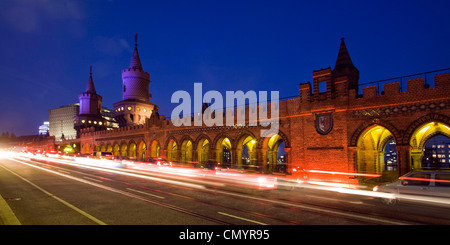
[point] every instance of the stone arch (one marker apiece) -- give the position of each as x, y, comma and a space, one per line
168, 140
123, 149
372, 157
132, 149
116, 149
201, 137
172, 149
269, 148
155, 148
202, 146
223, 148
420, 136
246, 149
186, 149
376, 121
142, 150
431, 117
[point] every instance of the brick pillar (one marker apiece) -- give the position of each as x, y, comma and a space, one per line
403, 159
289, 163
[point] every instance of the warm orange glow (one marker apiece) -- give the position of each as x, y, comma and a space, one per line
343, 173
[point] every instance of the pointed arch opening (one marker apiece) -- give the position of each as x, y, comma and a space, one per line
247, 156
430, 146
377, 154
203, 152
186, 151
223, 151
155, 149
142, 151
172, 151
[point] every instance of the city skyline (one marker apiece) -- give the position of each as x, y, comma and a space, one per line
49, 46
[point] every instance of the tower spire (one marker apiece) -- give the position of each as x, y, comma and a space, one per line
135, 40
343, 60
344, 68
135, 60
90, 87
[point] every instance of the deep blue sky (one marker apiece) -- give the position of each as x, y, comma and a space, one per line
47, 46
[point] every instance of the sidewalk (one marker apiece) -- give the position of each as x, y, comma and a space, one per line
7, 216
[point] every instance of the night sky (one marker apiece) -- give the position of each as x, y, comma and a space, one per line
47, 46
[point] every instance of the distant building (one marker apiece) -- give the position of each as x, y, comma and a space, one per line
43, 129
61, 121
437, 152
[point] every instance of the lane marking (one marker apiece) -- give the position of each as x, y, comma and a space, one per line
145, 193
100, 181
338, 213
7, 216
237, 217
128, 194
57, 198
63, 171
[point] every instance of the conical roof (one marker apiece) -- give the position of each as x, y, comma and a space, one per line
135, 60
90, 86
343, 60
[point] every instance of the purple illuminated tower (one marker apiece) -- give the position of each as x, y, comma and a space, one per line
90, 109
135, 106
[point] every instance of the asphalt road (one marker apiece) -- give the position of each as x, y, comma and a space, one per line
57, 193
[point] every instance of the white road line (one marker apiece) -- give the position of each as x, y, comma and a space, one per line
57, 198
92, 179
64, 172
145, 193
237, 217
316, 209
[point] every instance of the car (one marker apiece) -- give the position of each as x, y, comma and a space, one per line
158, 161
434, 183
103, 155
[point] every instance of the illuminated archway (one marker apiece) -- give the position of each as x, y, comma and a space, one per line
123, 150
223, 151
102, 147
132, 150
186, 151
116, 150
246, 152
109, 148
371, 154
421, 136
172, 151
142, 150
86, 149
203, 153
274, 152
155, 149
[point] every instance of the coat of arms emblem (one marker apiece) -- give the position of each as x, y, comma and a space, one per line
324, 123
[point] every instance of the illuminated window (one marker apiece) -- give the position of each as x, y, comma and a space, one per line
145, 110
138, 109
89, 121
83, 121
121, 108
100, 123
129, 108
95, 122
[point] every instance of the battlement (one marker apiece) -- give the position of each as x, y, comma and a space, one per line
338, 88
134, 69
